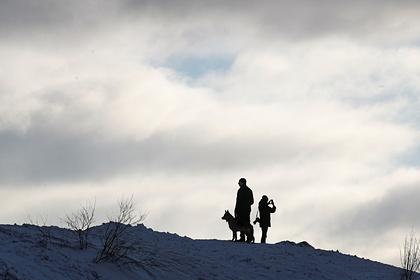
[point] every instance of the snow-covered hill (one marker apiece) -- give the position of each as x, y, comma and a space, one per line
25, 253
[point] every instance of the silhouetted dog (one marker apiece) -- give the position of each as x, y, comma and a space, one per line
248, 230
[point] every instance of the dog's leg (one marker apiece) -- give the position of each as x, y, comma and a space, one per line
234, 237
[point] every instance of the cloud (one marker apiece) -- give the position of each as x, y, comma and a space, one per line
388, 22
295, 19
391, 209
43, 20
83, 136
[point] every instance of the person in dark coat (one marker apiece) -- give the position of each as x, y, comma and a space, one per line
244, 200
265, 215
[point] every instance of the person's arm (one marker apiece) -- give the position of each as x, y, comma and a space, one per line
273, 209
236, 204
251, 198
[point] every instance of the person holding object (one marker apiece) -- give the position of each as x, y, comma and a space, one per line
265, 207
244, 200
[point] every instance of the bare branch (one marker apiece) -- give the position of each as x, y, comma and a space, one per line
81, 221
114, 247
410, 257
41, 225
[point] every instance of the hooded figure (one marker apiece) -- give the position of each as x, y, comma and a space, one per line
265, 215
244, 200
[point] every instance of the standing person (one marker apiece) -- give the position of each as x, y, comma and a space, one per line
244, 200
265, 215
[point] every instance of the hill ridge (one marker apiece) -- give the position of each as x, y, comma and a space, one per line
26, 254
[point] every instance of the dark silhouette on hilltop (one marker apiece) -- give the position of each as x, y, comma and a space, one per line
244, 200
265, 216
248, 230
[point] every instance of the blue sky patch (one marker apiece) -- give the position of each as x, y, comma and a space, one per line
195, 66
411, 158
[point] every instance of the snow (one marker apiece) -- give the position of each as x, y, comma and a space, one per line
25, 254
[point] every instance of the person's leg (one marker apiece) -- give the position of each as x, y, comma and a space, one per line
241, 222
242, 239
247, 222
264, 234
250, 236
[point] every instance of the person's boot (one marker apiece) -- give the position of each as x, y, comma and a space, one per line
250, 239
242, 239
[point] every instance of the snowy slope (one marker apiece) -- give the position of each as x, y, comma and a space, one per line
24, 254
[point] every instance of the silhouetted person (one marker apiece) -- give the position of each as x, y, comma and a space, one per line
244, 200
265, 215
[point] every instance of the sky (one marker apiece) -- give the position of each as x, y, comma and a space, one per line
315, 104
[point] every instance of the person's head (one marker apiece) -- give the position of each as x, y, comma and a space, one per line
264, 198
242, 182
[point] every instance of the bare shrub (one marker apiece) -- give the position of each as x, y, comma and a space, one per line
41, 225
113, 246
81, 221
410, 257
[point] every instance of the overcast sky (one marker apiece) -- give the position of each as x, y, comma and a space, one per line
316, 104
